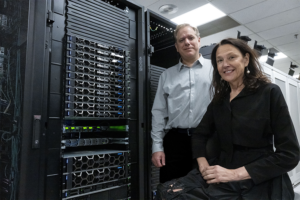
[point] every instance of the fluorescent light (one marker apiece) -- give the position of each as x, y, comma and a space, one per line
296, 76
199, 16
278, 56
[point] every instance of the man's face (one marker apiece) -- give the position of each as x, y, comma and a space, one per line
187, 43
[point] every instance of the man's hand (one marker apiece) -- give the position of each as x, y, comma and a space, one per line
158, 159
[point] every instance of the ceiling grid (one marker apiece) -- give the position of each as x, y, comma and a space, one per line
273, 23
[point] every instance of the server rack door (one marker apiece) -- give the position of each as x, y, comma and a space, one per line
34, 100
96, 101
161, 54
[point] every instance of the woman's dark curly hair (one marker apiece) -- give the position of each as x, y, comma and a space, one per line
251, 81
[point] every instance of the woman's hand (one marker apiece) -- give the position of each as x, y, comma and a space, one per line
203, 164
218, 174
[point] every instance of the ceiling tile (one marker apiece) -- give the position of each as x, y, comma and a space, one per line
285, 39
280, 31
216, 26
263, 10
265, 43
290, 53
145, 3
295, 57
183, 6
230, 6
254, 37
273, 21
290, 47
215, 38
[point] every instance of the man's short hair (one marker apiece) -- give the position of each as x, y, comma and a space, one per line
180, 26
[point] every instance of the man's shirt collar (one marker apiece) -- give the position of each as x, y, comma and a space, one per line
199, 61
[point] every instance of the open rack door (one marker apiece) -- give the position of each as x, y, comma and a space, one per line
161, 54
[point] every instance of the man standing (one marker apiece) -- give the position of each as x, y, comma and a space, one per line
180, 102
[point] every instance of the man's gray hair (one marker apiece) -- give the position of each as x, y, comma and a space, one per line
180, 26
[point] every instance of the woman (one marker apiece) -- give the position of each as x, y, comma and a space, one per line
249, 115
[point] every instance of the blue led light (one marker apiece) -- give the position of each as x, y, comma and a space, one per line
68, 105
68, 113
70, 53
67, 160
120, 80
120, 154
119, 167
69, 90
120, 113
70, 45
66, 177
69, 83
119, 100
70, 38
69, 67
119, 93
70, 60
69, 98
120, 74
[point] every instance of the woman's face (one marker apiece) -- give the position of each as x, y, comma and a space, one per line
231, 64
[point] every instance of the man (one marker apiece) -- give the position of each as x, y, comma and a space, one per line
181, 100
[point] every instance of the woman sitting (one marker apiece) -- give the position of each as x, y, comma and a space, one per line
249, 115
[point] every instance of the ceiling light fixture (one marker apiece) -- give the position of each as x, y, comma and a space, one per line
168, 9
276, 57
199, 16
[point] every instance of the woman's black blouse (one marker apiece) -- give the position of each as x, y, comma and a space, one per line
251, 119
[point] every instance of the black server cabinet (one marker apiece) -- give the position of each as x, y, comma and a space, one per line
161, 54
72, 99
98, 107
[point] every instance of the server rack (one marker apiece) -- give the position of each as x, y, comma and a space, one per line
102, 112
79, 129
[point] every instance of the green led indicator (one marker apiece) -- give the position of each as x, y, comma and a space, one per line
118, 128
84, 127
98, 126
90, 127
72, 128
66, 128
